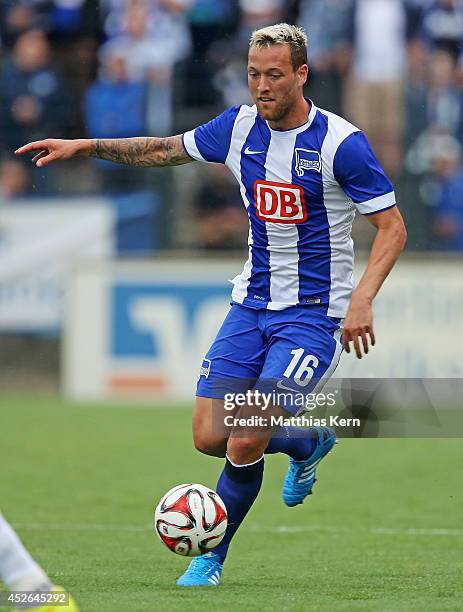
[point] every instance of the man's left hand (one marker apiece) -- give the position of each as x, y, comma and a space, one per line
358, 326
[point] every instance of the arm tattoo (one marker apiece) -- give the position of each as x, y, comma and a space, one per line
143, 151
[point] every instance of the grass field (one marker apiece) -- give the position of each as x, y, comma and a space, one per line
382, 532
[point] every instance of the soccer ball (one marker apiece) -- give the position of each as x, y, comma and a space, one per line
190, 519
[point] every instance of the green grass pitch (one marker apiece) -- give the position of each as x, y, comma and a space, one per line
383, 531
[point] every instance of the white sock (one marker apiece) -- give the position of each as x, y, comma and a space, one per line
18, 570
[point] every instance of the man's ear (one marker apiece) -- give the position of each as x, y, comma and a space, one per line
303, 73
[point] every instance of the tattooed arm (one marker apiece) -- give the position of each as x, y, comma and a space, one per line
143, 151
132, 151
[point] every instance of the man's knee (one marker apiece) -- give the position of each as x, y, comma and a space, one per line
208, 445
205, 439
243, 450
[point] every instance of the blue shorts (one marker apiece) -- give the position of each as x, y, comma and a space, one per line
294, 350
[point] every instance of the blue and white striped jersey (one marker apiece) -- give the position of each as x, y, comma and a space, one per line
300, 188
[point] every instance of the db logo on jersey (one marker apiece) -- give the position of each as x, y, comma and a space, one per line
279, 202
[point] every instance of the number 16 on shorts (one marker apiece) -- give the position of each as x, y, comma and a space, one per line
303, 367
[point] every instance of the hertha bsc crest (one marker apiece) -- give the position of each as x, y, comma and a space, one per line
307, 160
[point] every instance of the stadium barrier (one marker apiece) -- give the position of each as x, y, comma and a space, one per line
40, 242
139, 330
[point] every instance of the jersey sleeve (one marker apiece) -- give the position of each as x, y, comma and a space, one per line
210, 142
361, 177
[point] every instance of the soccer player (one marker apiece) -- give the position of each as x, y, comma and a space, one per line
23, 576
302, 172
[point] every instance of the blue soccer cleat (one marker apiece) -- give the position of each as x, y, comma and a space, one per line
205, 571
300, 477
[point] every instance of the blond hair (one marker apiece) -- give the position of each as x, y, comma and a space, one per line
282, 33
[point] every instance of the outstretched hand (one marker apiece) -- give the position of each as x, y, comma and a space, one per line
358, 326
51, 149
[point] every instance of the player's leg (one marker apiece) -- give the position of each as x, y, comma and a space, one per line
238, 486
304, 353
208, 438
231, 366
20, 572
241, 479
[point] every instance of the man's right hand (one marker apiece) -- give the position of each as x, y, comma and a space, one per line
55, 149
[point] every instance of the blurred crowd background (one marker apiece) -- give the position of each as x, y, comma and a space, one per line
120, 68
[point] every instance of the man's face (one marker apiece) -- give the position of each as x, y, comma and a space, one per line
273, 83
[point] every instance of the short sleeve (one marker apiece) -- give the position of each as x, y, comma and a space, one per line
361, 177
210, 142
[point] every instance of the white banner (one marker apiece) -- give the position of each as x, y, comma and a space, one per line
141, 330
418, 321
39, 245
